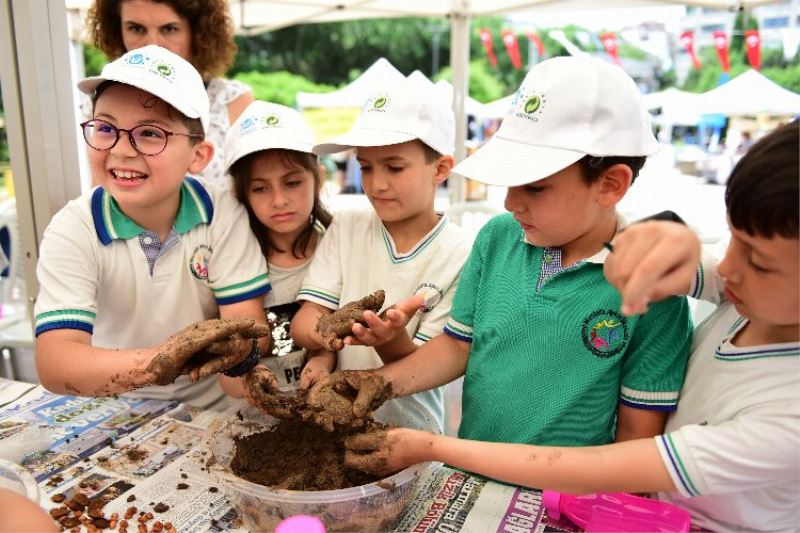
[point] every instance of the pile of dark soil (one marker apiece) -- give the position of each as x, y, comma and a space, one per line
315, 457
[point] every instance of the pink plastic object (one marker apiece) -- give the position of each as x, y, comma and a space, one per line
616, 512
301, 524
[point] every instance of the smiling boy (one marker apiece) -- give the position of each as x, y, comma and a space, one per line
148, 252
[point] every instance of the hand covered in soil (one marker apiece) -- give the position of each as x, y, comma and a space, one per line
320, 364
652, 260
344, 398
190, 349
385, 327
262, 390
385, 452
334, 327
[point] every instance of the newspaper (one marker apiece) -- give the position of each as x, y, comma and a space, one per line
451, 500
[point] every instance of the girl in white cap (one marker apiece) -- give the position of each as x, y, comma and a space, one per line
278, 180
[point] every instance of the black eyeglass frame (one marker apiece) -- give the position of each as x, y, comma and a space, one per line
118, 130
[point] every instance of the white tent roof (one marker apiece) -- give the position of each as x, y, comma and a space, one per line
355, 94
750, 93
266, 15
677, 107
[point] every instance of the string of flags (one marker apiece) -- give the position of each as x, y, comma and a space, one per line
609, 40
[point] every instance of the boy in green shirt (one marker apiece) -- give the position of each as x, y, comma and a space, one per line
535, 328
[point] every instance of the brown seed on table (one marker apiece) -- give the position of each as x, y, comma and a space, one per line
149, 515
130, 512
102, 523
70, 521
58, 512
75, 506
142, 528
182, 486
169, 525
157, 527
131, 498
58, 498
81, 498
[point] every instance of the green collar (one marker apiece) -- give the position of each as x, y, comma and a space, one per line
111, 223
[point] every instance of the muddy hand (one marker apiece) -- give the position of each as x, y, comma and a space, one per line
172, 356
226, 353
380, 453
377, 329
262, 390
344, 398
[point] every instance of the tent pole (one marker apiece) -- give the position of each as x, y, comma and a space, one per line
459, 63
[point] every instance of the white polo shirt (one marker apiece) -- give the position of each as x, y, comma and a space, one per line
733, 446
94, 275
358, 256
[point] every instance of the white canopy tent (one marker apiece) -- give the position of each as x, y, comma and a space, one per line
356, 92
750, 93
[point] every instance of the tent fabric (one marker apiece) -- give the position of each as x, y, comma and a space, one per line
750, 93
677, 107
356, 93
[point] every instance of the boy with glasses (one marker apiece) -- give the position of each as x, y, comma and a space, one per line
149, 252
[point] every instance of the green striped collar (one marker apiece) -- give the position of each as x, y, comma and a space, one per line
111, 223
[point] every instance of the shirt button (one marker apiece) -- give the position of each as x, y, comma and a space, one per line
548, 259
148, 240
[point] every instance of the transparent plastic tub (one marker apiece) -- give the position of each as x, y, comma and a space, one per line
372, 507
16, 478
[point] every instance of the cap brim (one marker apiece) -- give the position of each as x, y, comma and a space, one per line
88, 86
511, 163
362, 137
247, 148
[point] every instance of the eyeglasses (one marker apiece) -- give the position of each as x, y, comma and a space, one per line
145, 139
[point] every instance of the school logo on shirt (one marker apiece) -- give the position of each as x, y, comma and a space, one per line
198, 263
432, 293
605, 332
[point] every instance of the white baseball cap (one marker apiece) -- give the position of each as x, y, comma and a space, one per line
398, 113
161, 73
565, 109
264, 126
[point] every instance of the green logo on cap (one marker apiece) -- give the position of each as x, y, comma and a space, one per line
532, 104
164, 70
380, 102
272, 120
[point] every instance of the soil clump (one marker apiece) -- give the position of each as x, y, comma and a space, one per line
339, 324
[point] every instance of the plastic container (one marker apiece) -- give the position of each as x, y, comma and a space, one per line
616, 512
372, 507
16, 478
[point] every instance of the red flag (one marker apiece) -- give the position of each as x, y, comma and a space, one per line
721, 44
610, 44
537, 41
687, 40
486, 39
512, 46
752, 43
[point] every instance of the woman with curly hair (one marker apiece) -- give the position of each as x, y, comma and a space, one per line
200, 31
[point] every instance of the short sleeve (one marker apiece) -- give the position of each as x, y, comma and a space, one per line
462, 315
237, 268
655, 361
68, 275
707, 283
754, 451
323, 282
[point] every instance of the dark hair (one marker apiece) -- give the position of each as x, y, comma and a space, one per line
431, 155
762, 194
194, 125
592, 167
241, 171
213, 47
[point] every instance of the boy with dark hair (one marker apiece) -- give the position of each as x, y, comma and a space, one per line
730, 451
150, 251
535, 329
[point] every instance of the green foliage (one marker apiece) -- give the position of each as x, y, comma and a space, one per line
280, 87
93, 59
483, 84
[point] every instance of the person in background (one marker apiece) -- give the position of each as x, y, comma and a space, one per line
199, 32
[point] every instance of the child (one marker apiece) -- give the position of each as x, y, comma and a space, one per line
730, 454
403, 139
535, 328
278, 180
148, 252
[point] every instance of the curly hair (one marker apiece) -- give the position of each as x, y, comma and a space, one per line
212, 53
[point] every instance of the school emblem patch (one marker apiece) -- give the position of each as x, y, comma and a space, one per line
198, 264
432, 294
605, 332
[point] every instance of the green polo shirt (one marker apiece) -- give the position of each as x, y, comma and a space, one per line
550, 364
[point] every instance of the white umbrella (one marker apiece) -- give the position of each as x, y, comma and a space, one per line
750, 93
